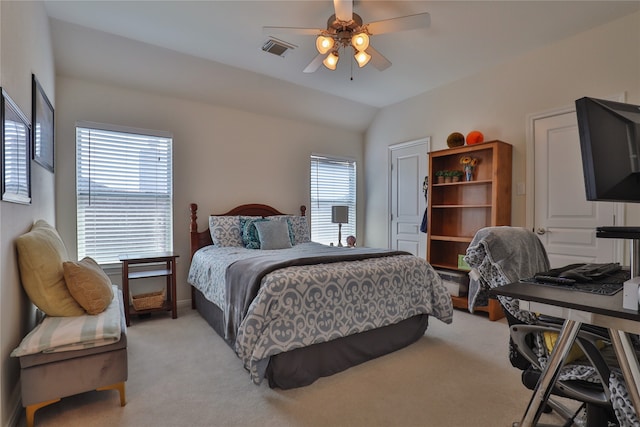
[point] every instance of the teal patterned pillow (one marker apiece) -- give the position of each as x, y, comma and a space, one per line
250, 237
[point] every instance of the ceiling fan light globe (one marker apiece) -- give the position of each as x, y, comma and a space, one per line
324, 44
360, 41
362, 58
331, 61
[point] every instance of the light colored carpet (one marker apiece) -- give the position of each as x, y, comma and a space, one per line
182, 374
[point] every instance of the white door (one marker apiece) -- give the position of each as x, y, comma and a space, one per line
563, 219
408, 169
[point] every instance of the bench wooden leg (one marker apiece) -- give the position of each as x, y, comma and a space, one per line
118, 386
31, 410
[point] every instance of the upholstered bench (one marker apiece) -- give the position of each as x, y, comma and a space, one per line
48, 377
81, 344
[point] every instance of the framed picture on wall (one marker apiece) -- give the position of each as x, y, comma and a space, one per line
16, 158
42, 127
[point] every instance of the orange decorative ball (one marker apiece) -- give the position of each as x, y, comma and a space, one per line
475, 137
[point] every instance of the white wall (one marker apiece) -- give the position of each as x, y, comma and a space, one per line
222, 157
600, 62
25, 48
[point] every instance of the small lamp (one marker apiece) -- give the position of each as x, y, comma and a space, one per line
340, 215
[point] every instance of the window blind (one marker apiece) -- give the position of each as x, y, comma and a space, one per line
124, 192
333, 182
16, 160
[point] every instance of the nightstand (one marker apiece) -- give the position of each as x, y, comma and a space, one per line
131, 270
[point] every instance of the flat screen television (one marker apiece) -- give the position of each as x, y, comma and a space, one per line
610, 146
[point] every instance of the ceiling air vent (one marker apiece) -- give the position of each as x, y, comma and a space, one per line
277, 47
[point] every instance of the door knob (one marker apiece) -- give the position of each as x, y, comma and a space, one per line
540, 231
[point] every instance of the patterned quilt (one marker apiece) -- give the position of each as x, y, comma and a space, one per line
306, 304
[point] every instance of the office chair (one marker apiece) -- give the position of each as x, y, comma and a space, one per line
502, 255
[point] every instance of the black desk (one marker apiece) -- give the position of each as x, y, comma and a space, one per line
577, 308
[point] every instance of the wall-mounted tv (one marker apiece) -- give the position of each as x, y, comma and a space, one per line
610, 146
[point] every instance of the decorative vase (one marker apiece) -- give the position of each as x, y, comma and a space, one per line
468, 173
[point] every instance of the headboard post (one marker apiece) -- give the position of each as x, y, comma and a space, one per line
193, 207
195, 242
303, 210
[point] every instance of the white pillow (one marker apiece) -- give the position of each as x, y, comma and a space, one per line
225, 230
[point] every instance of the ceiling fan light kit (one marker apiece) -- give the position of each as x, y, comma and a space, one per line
343, 33
360, 42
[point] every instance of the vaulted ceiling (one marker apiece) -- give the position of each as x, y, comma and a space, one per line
211, 50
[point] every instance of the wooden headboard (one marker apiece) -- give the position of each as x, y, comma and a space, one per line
203, 238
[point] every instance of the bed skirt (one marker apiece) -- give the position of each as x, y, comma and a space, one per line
302, 366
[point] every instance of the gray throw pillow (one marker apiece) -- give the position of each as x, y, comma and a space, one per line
273, 234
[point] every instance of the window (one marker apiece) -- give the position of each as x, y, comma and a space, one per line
124, 191
333, 182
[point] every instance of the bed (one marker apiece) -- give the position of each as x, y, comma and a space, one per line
294, 310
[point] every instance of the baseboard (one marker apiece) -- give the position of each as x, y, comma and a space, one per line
184, 303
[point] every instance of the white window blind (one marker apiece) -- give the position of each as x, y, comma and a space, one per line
124, 191
16, 158
333, 182
16, 163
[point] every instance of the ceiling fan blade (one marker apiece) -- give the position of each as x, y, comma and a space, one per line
344, 9
377, 59
291, 30
402, 23
315, 63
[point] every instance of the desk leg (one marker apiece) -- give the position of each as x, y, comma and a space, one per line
628, 364
549, 376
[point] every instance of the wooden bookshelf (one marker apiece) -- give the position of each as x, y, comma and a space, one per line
456, 210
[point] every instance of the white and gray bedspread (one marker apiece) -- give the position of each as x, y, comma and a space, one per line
300, 305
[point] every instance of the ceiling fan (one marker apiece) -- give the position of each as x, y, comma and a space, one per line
346, 29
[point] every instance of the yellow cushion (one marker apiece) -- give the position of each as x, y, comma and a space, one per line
41, 253
89, 284
575, 353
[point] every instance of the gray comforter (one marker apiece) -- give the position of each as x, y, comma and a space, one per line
300, 305
250, 271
